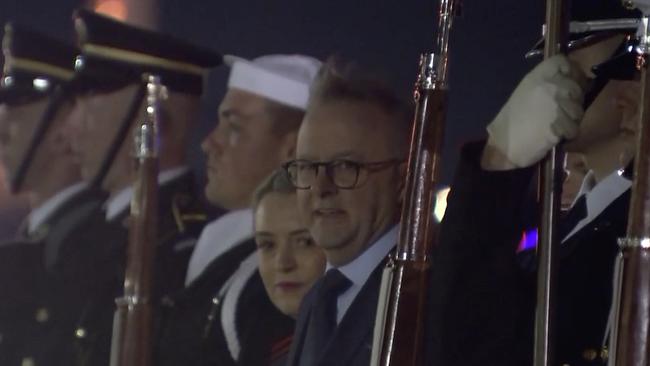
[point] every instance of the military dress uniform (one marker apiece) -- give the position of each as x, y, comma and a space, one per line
93, 263
31, 325
489, 295
92, 255
34, 294
486, 289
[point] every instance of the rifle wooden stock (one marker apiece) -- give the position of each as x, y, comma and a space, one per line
132, 332
405, 312
631, 338
400, 326
550, 192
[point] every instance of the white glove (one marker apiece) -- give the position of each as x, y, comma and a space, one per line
545, 107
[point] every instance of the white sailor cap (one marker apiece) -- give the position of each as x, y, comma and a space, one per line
285, 79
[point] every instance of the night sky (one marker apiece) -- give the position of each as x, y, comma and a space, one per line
487, 45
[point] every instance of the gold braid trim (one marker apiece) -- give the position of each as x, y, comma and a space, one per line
39, 68
141, 59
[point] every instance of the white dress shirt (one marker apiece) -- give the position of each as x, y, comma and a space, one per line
362, 267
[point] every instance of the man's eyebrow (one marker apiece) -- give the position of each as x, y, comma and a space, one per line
343, 155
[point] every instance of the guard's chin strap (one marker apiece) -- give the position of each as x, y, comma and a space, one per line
56, 99
120, 137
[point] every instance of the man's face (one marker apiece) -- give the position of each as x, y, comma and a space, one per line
290, 262
344, 222
102, 115
609, 123
17, 126
242, 150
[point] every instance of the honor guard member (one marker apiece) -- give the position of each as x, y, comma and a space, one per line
114, 57
36, 108
349, 174
590, 99
13, 210
223, 315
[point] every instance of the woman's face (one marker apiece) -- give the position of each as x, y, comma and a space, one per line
290, 262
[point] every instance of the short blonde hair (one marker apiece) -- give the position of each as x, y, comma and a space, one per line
276, 182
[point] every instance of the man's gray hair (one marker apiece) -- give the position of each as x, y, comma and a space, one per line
338, 82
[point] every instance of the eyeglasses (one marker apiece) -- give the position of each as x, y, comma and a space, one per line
344, 174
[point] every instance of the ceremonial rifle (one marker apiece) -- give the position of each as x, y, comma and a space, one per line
550, 192
132, 338
399, 328
630, 341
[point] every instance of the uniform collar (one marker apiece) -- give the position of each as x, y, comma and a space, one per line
600, 196
218, 237
588, 183
117, 204
41, 214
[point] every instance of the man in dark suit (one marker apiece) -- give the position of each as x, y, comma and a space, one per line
349, 171
487, 289
37, 103
223, 315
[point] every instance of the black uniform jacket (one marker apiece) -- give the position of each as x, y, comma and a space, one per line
485, 299
33, 316
192, 332
93, 256
351, 343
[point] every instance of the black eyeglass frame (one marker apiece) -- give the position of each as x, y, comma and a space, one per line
371, 167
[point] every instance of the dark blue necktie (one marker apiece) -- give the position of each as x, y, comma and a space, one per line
322, 319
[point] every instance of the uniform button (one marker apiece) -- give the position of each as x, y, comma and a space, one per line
80, 333
42, 315
215, 300
604, 354
167, 301
28, 361
589, 354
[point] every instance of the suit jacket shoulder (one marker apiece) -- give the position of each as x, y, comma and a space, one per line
352, 341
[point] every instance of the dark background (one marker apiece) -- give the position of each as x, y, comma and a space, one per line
487, 45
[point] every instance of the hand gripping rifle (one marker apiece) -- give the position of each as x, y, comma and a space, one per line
399, 328
132, 343
630, 342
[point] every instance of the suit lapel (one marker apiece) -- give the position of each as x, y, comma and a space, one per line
301, 327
